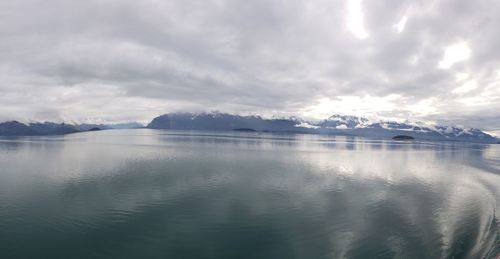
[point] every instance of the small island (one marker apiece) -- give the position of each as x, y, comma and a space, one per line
245, 130
95, 129
403, 138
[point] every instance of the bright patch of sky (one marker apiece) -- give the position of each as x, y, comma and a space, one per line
461, 76
466, 87
355, 20
353, 105
424, 107
455, 53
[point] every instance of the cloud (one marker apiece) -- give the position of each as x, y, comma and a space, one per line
466, 87
400, 26
355, 19
455, 53
131, 60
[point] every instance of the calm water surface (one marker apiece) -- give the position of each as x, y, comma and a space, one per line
174, 194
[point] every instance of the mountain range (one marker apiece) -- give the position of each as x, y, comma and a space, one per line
334, 125
15, 128
215, 121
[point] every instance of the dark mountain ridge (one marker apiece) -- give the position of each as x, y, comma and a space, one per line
223, 122
15, 128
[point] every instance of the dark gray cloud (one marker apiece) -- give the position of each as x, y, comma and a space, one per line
121, 60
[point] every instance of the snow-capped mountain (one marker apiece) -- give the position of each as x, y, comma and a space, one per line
335, 125
353, 125
344, 122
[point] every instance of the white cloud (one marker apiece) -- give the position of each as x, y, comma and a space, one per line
461, 76
400, 26
465, 88
354, 105
413, 60
455, 53
425, 107
355, 20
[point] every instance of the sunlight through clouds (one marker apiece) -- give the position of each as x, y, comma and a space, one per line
354, 105
425, 107
465, 88
455, 53
355, 20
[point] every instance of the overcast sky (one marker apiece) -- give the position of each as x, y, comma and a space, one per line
121, 60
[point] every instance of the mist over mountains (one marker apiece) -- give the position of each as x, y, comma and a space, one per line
215, 121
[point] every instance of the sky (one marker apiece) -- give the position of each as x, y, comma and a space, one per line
127, 60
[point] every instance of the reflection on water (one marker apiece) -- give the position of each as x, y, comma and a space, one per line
179, 194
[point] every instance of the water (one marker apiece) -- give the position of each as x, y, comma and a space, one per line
175, 194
